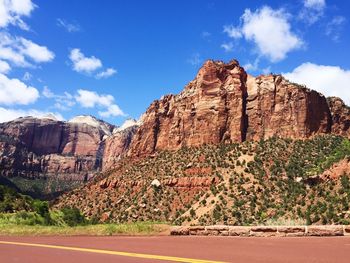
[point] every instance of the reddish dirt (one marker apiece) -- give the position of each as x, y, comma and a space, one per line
227, 249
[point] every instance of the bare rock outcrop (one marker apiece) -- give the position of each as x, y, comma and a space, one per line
276, 107
340, 116
222, 104
32, 148
210, 110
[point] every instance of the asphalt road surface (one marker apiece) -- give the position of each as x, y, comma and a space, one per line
173, 249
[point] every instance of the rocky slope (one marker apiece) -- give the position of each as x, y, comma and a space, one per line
265, 182
32, 148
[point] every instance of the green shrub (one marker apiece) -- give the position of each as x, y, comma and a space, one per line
72, 216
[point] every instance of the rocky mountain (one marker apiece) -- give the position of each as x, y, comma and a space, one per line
223, 105
230, 148
58, 155
117, 145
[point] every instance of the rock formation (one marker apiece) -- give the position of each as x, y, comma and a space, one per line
210, 110
222, 104
276, 107
340, 116
47, 148
118, 144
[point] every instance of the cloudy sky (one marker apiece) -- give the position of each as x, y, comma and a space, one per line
112, 58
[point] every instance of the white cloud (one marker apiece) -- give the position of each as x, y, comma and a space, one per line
252, 66
329, 80
112, 111
47, 93
228, 47
11, 12
14, 91
17, 50
4, 67
82, 63
232, 31
313, 11
70, 27
91, 99
315, 4
333, 28
106, 74
36, 52
269, 30
62, 102
11, 114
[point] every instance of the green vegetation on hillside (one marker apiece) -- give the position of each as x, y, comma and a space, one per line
260, 182
21, 209
23, 215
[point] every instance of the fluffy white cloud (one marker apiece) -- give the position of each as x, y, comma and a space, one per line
35, 52
82, 63
106, 74
11, 12
11, 114
17, 50
4, 67
70, 27
269, 30
14, 91
91, 99
329, 80
112, 111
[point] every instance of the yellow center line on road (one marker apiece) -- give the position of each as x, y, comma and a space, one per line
111, 252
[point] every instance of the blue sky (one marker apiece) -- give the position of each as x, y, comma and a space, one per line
112, 58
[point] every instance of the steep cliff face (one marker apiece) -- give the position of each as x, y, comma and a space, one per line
47, 148
278, 107
340, 116
222, 104
210, 110
118, 144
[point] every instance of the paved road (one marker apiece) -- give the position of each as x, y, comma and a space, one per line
173, 249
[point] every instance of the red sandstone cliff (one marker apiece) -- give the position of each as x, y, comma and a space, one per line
222, 104
340, 116
32, 147
210, 110
276, 107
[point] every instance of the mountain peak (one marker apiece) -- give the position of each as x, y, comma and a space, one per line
92, 121
127, 124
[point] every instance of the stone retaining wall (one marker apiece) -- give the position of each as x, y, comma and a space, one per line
261, 231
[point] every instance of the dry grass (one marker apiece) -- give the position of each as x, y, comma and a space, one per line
139, 228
